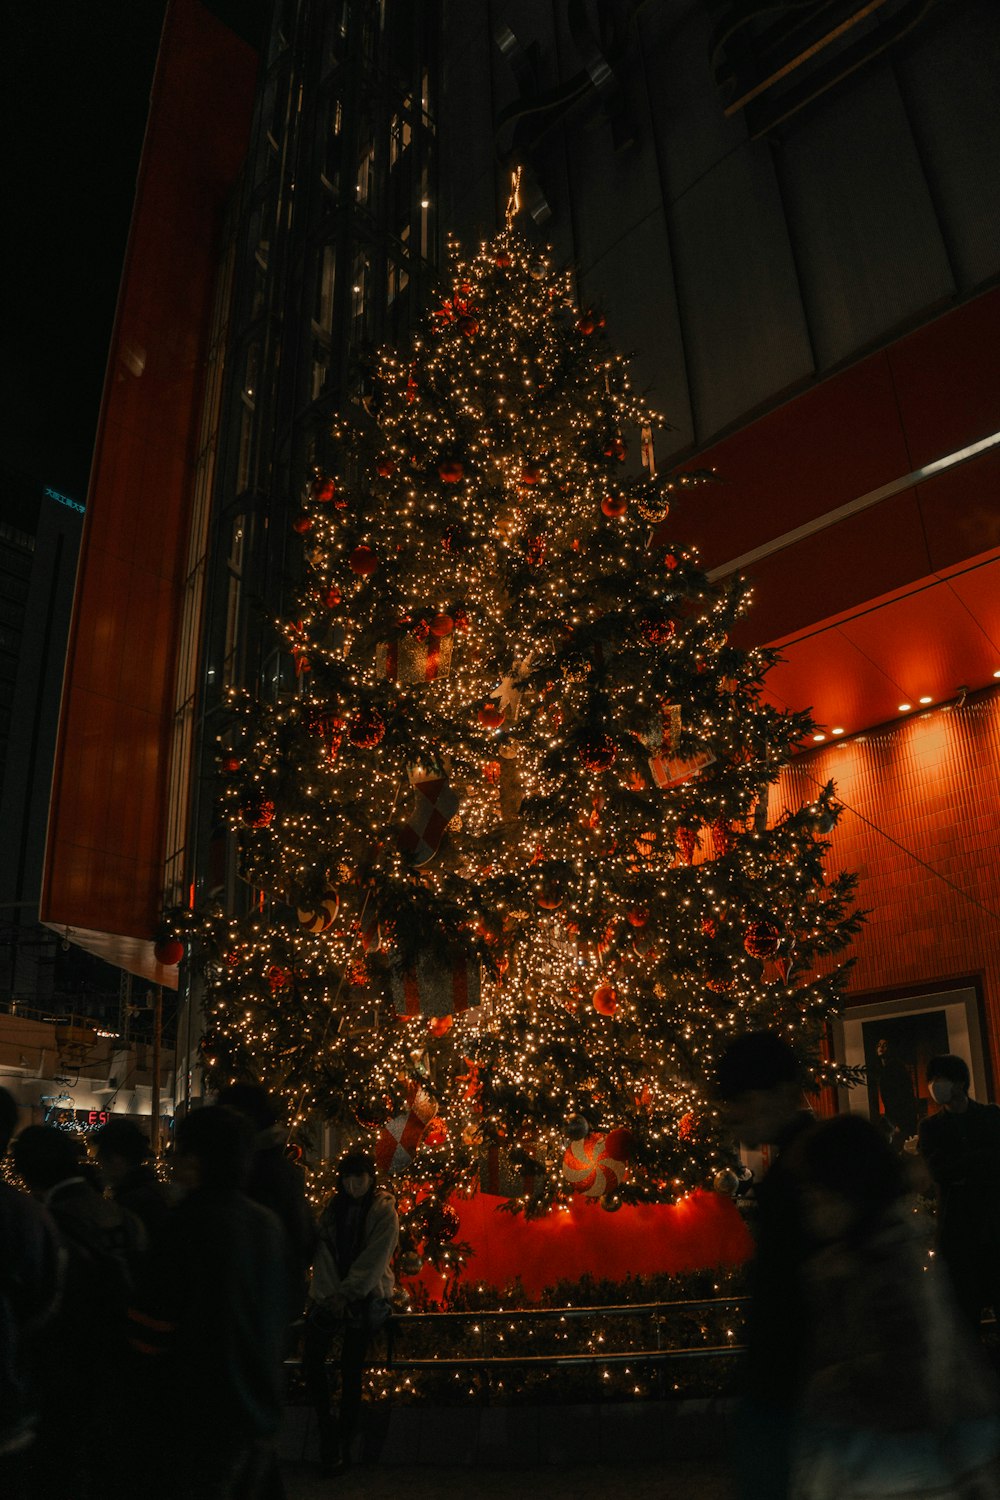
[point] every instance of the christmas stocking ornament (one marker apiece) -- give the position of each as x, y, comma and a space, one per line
434, 807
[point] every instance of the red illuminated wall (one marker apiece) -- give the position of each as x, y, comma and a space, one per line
927, 395
921, 829
104, 865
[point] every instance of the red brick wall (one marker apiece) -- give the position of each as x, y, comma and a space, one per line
921, 828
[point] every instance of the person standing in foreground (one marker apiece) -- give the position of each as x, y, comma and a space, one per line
758, 1084
210, 1320
895, 1397
32, 1267
351, 1285
961, 1145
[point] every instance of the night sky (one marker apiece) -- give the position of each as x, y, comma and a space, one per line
76, 81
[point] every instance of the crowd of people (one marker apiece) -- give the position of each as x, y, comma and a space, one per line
181, 1303
864, 1376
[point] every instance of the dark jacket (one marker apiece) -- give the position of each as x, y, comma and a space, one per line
102, 1242
278, 1184
775, 1321
143, 1194
212, 1314
31, 1272
962, 1152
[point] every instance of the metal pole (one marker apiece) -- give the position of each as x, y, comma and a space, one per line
154, 1129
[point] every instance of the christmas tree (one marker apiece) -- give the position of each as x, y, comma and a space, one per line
505, 822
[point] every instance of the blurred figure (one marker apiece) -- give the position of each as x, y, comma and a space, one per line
899, 1097
896, 1399
32, 1265
758, 1083
349, 1294
123, 1158
274, 1180
210, 1320
101, 1242
961, 1146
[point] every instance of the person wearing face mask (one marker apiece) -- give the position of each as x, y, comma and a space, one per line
961, 1146
349, 1294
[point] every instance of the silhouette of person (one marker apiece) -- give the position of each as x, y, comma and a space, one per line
895, 1399
210, 1318
758, 1083
961, 1145
102, 1243
32, 1268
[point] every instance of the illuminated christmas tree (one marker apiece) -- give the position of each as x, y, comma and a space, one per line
505, 823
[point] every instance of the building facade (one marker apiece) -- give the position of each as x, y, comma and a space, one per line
792, 221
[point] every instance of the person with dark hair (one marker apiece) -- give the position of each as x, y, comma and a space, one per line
102, 1242
349, 1294
961, 1145
273, 1179
123, 1158
759, 1087
210, 1319
895, 1398
32, 1265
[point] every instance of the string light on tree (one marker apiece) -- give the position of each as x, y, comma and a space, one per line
526, 755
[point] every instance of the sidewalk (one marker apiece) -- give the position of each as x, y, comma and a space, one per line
639, 1451
685, 1479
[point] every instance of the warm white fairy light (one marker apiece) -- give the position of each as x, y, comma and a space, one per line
495, 540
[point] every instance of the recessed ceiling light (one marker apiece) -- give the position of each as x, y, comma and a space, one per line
927, 700
818, 737
838, 730
904, 708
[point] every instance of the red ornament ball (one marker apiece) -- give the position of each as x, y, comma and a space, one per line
762, 939
440, 1025
169, 952
605, 1000
491, 716
385, 468
278, 978
638, 916
443, 1223
231, 764
587, 324
363, 561
451, 471
656, 630
323, 489
616, 448
549, 900
436, 1133
468, 325
442, 625
302, 524
531, 473
670, 562
366, 728
332, 597
258, 812
597, 752
503, 260
614, 506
